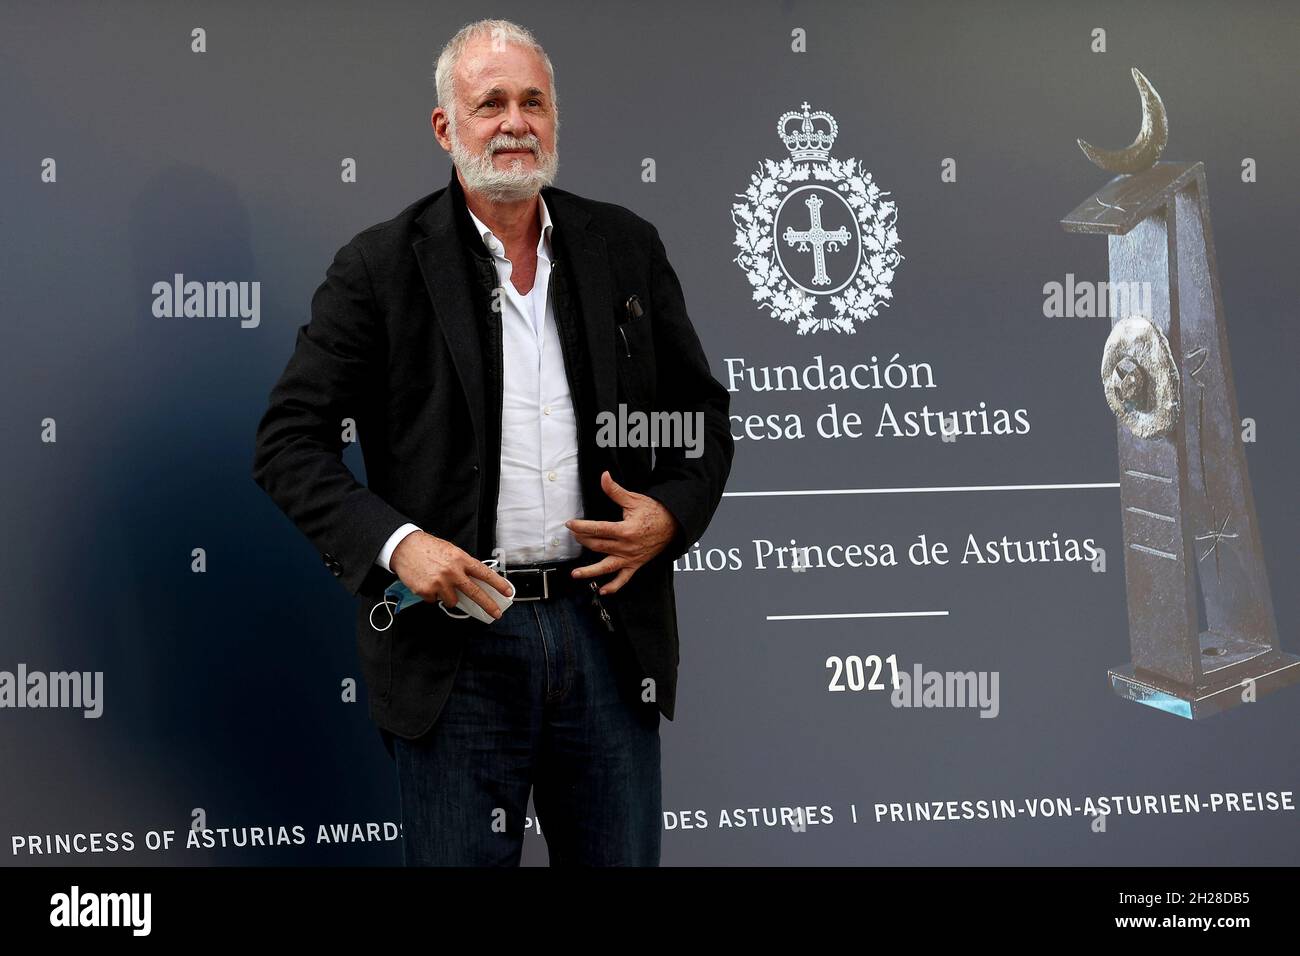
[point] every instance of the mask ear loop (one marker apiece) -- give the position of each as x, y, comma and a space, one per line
391, 618
458, 616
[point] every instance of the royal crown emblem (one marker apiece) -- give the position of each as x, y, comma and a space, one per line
818, 240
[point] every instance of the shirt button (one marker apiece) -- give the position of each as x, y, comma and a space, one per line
546, 409
550, 476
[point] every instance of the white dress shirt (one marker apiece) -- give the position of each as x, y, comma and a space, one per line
539, 482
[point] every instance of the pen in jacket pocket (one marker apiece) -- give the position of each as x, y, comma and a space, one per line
634, 311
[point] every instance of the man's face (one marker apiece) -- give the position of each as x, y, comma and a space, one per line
504, 139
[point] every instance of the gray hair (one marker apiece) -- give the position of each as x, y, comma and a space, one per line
502, 31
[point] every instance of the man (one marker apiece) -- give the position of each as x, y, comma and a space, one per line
475, 341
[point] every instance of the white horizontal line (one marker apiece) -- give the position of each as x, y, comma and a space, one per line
1149, 477
916, 491
1150, 514
826, 617
1156, 551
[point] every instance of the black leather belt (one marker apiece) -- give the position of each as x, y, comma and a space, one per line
546, 580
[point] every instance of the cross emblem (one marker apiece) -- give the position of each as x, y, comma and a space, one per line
1216, 537
816, 236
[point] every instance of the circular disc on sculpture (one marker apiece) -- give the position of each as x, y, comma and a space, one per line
1140, 378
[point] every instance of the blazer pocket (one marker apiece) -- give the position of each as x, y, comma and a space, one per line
636, 372
634, 344
637, 331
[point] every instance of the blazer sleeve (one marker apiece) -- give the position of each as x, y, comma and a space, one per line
298, 461
690, 488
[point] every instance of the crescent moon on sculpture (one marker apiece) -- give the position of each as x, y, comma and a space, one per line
1151, 138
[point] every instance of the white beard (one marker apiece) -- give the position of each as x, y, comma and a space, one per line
504, 185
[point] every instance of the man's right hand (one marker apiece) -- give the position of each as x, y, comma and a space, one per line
434, 568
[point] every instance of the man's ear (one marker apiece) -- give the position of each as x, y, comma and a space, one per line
443, 139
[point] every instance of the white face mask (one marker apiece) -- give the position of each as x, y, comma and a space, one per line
398, 597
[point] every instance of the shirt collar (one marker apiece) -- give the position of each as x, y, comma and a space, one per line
494, 245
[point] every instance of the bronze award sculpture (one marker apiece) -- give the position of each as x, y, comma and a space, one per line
1188, 510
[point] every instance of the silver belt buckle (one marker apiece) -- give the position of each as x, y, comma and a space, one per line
546, 588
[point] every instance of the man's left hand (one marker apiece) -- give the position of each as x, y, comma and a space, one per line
645, 530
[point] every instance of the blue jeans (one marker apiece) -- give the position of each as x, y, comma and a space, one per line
545, 698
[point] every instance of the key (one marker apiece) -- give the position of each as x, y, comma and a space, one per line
596, 602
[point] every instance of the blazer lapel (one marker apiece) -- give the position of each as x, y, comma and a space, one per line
446, 262
589, 261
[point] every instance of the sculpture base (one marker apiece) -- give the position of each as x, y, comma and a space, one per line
1230, 666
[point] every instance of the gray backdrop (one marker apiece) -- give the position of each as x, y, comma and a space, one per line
225, 165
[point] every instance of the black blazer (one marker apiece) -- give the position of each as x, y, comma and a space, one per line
403, 341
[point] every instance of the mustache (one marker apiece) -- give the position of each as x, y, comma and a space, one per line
499, 143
